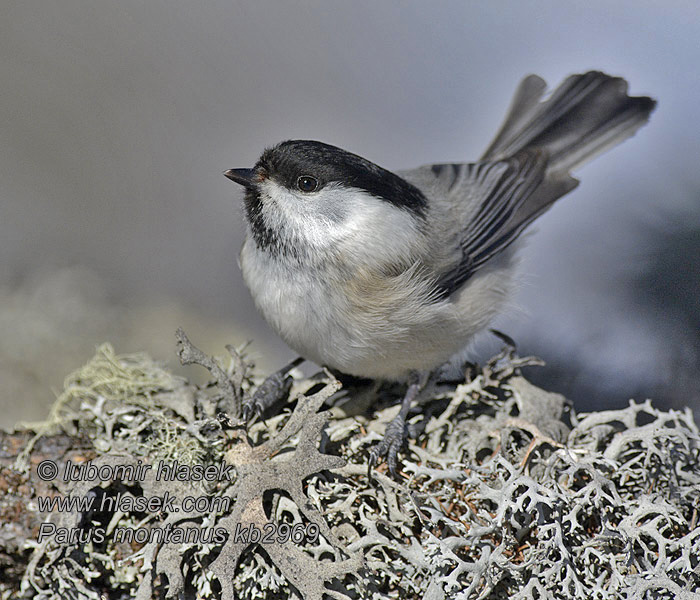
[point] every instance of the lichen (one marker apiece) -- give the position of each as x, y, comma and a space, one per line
506, 492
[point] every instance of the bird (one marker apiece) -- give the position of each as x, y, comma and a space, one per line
389, 275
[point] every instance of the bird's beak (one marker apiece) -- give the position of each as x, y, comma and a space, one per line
243, 177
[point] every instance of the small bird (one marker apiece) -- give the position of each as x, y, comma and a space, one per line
390, 275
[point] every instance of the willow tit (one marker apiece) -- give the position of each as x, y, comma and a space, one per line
389, 275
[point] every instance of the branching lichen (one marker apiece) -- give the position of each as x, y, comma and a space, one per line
507, 493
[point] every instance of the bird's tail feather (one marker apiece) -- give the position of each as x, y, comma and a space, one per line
584, 116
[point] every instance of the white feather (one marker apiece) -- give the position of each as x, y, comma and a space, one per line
362, 303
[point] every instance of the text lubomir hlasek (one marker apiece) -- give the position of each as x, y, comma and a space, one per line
165, 471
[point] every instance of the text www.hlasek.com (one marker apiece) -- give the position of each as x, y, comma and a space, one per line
129, 503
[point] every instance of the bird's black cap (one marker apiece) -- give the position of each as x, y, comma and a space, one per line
287, 161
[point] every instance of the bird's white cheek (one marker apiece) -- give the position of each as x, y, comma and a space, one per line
376, 234
293, 215
350, 222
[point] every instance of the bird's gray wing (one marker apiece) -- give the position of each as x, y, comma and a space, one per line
481, 208
485, 206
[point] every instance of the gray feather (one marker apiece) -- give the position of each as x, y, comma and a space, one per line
584, 116
526, 168
524, 102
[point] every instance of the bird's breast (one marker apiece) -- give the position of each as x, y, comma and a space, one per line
365, 322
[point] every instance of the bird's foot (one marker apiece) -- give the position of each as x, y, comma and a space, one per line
394, 439
272, 390
397, 432
507, 363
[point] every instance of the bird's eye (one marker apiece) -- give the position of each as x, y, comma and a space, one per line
307, 184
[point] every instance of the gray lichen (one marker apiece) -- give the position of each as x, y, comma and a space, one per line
507, 493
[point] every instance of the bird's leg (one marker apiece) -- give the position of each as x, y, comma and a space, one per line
507, 363
397, 431
274, 388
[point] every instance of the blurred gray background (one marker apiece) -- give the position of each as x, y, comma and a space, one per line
118, 118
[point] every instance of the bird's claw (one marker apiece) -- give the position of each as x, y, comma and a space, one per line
275, 388
252, 407
271, 391
388, 448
